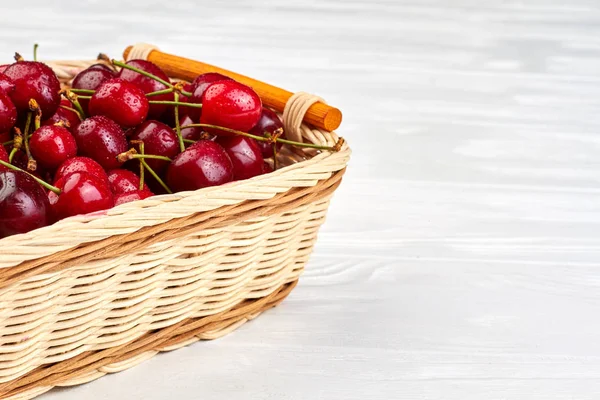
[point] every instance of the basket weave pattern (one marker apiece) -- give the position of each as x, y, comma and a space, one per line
100, 293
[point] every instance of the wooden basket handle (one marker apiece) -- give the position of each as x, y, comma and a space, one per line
319, 114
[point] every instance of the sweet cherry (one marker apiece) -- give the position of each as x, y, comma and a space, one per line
52, 145
8, 112
124, 181
199, 86
102, 140
68, 117
128, 197
6, 84
203, 164
121, 101
90, 79
23, 204
232, 105
81, 193
159, 140
148, 85
192, 133
245, 155
268, 122
81, 164
34, 80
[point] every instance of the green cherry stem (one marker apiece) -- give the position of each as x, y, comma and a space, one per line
189, 141
72, 97
31, 164
38, 180
149, 156
175, 103
149, 75
73, 110
84, 97
35, 49
177, 125
155, 175
159, 92
82, 91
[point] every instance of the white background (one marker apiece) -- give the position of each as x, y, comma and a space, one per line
461, 257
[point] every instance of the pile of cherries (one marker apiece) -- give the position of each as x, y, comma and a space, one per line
122, 132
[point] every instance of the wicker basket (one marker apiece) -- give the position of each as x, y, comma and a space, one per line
100, 293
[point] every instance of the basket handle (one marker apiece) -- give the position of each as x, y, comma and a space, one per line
319, 114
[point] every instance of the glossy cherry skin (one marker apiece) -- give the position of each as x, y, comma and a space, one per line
159, 140
121, 101
148, 85
81, 164
3, 157
81, 193
245, 155
269, 122
103, 67
193, 133
23, 204
199, 86
52, 145
67, 117
203, 164
6, 84
102, 140
232, 105
124, 181
128, 197
34, 80
90, 79
8, 112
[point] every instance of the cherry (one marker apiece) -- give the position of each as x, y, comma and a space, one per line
90, 79
128, 197
70, 118
3, 67
8, 112
121, 101
102, 140
245, 155
20, 161
269, 122
34, 80
81, 164
6, 84
52, 145
81, 193
232, 105
199, 86
148, 85
103, 67
124, 181
203, 164
193, 133
3, 157
23, 204
159, 140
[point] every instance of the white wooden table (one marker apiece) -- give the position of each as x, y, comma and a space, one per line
461, 257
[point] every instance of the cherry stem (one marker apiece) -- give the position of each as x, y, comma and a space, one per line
35, 49
155, 175
84, 97
149, 156
31, 164
72, 97
177, 124
189, 141
73, 110
38, 180
149, 75
82, 91
175, 103
17, 143
265, 139
142, 169
159, 92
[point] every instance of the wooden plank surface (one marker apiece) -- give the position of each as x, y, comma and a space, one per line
461, 257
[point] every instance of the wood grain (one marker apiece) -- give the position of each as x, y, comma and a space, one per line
461, 257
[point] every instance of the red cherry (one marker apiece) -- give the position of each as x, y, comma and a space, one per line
193, 133
6, 84
52, 145
245, 155
128, 197
102, 140
199, 86
90, 79
20, 161
8, 112
269, 122
68, 117
103, 67
159, 140
148, 85
3, 67
124, 181
121, 101
232, 105
81, 193
3, 157
34, 80
23, 204
80, 164
203, 164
